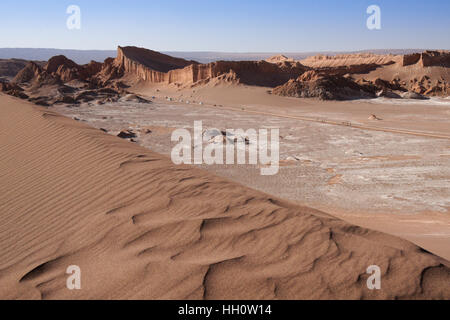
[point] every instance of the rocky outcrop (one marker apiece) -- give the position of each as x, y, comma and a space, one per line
57, 63
351, 69
435, 58
66, 70
442, 90
28, 74
9, 68
12, 89
128, 57
279, 59
313, 84
258, 73
146, 64
90, 70
348, 63
425, 86
57, 70
127, 134
325, 61
427, 59
409, 59
388, 85
340, 65
109, 71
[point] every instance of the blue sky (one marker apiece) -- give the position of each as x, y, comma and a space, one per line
226, 25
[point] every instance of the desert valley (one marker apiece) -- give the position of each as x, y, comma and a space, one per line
87, 179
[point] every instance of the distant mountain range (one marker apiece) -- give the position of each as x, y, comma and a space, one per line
85, 56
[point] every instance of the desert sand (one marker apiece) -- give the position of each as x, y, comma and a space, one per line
390, 175
140, 227
86, 179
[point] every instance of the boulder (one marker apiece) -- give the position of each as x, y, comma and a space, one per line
127, 134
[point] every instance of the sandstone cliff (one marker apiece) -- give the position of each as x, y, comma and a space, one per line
146, 64
435, 58
153, 67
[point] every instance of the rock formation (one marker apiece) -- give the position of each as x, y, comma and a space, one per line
29, 74
348, 60
435, 58
132, 57
410, 59
313, 84
152, 67
10, 67
332, 78
66, 70
279, 58
12, 89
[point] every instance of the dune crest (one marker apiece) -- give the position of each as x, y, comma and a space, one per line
140, 227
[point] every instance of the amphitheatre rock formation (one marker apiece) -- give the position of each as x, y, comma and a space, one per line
155, 67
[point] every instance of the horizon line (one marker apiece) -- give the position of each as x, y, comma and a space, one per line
229, 52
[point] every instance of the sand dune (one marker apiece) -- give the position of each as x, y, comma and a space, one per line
140, 227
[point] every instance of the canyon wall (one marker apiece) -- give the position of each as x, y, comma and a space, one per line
428, 59
130, 66
259, 73
410, 59
435, 58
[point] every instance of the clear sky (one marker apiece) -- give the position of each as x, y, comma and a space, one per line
226, 25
